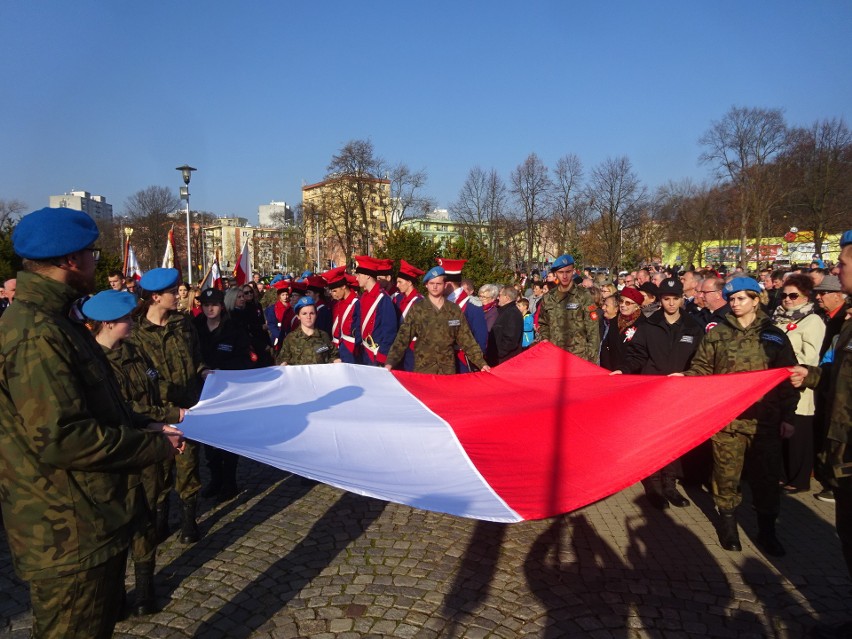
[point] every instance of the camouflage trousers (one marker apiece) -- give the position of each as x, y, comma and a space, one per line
84, 604
143, 545
760, 454
184, 475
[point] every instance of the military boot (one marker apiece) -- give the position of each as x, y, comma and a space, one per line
729, 536
162, 522
188, 526
766, 538
145, 601
671, 494
654, 492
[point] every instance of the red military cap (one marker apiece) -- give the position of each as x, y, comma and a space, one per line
632, 294
452, 268
316, 282
409, 271
369, 265
300, 287
282, 284
335, 277
385, 267
351, 281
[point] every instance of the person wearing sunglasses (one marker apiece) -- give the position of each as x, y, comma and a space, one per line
796, 316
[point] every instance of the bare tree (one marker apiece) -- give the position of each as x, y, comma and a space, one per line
689, 216
740, 146
533, 190
10, 210
615, 197
570, 207
151, 212
818, 167
406, 195
481, 206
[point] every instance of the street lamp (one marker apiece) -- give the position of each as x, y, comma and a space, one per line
186, 172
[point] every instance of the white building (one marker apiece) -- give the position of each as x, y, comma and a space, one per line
94, 205
275, 214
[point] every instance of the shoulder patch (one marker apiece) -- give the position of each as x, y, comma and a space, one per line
766, 336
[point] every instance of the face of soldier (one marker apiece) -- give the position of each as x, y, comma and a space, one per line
211, 311
671, 304
166, 299
844, 264
403, 285
115, 282
743, 306
435, 287
81, 271
337, 293
308, 316
564, 276
122, 327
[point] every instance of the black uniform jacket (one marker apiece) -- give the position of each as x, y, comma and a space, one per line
660, 348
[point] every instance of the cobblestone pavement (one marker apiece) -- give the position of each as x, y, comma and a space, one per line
290, 558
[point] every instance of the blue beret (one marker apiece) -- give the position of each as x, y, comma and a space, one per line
305, 300
561, 262
435, 271
159, 279
306, 274
50, 233
740, 284
110, 305
846, 239
277, 279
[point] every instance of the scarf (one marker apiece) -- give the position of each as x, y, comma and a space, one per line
280, 309
626, 321
788, 319
489, 306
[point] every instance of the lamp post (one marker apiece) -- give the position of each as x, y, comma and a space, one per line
186, 172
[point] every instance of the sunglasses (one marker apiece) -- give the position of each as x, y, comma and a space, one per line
792, 296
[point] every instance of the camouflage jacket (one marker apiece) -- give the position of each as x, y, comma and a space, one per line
438, 333
730, 348
301, 348
840, 394
140, 384
570, 321
67, 439
175, 352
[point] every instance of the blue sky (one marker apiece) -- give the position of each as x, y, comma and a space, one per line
111, 96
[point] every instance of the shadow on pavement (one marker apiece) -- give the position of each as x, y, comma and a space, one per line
343, 523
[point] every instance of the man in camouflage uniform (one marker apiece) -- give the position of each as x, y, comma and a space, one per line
567, 314
440, 328
749, 342
837, 456
68, 441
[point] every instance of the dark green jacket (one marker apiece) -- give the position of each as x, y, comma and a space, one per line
439, 333
570, 321
67, 438
139, 381
730, 348
300, 348
175, 351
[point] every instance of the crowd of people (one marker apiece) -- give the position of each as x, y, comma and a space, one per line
94, 387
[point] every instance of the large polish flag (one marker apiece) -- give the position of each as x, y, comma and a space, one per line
543, 434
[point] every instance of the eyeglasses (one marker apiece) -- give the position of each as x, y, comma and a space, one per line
706, 292
792, 296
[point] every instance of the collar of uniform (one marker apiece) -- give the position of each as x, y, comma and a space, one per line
47, 294
173, 318
761, 322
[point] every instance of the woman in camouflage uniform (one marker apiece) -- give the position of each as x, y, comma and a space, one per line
307, 344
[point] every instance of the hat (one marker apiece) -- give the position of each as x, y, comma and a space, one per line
212, 296
281, 285
110, 305
306, 274
435, 271
846, 239
367, 265
829, 284
276, 279
159, 279
452, 268
299, 286
632, 294
651, 289
351, 280
740, 284
561, 262
316, 282
302, 303
409, 271
335, 277
385, 267
671, 286
50, 233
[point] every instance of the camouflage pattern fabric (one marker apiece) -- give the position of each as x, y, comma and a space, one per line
67, 439
570, 321
301, 348
762, 453
438, 333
